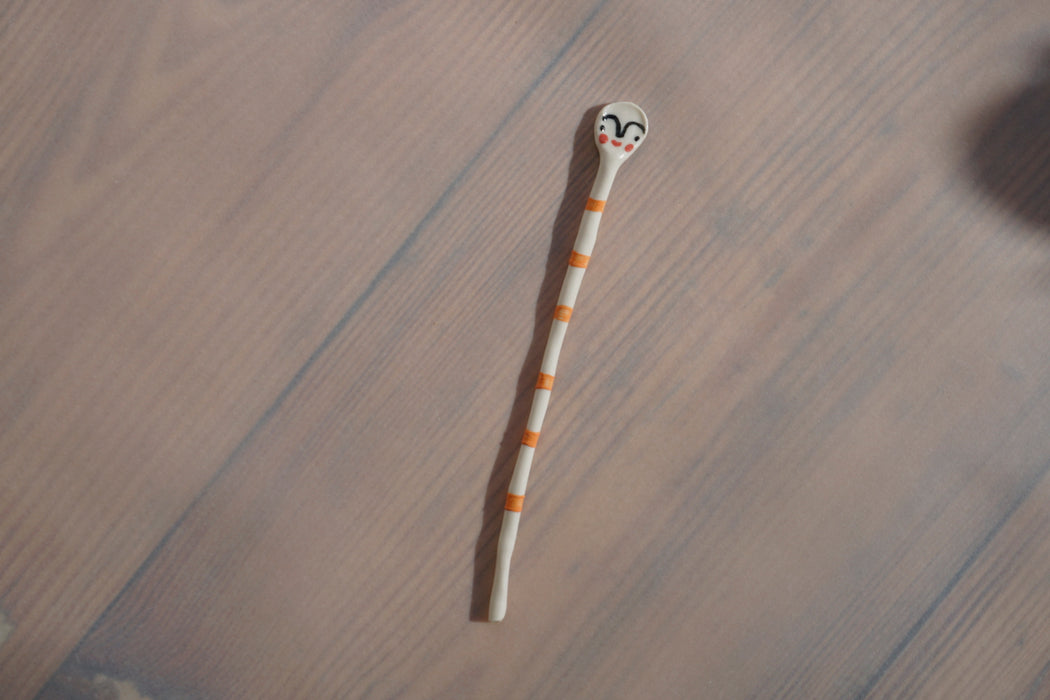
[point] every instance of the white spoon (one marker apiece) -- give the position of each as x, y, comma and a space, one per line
618, 131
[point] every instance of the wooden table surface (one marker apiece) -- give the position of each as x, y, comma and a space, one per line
275, 280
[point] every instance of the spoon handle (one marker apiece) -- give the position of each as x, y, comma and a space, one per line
570, 288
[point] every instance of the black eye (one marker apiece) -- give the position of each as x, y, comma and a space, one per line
602, 128
637, 138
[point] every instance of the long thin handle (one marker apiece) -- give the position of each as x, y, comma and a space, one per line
581, 253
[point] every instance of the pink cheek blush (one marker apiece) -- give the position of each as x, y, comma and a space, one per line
603, 139
629, 147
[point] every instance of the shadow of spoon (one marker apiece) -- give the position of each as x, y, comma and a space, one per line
578, 182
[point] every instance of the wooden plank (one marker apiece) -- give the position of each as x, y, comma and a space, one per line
193, 197
800, 420
985, 635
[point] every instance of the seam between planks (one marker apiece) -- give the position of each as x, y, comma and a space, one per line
957, 577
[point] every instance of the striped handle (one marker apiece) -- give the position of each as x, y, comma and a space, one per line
581, 255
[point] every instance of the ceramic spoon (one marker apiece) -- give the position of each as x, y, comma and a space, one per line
618, 131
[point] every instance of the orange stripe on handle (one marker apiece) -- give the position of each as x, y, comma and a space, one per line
595, 205
514, 502
530, 438
546, 381
577, 260
562, 313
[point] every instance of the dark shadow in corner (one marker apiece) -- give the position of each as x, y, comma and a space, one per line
582, 169
1009, 149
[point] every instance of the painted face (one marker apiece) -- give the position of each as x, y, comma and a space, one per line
620, 129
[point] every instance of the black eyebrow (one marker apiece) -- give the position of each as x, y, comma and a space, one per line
621, 131
640, 126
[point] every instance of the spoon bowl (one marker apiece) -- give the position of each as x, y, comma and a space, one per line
619, 130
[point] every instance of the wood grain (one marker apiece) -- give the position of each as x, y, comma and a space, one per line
274, 283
